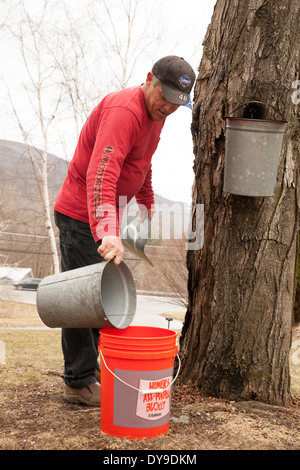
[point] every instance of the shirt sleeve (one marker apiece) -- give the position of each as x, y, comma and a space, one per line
116, 131
145, 196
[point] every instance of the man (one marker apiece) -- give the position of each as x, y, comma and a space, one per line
111, 163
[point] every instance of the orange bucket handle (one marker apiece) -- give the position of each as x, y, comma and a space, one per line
144, 392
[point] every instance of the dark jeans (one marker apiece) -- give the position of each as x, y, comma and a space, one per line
79, 345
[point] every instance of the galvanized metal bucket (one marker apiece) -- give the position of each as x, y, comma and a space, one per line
253, 148
101, 295
135, 236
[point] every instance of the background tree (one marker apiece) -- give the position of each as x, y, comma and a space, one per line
30, 35
237, 333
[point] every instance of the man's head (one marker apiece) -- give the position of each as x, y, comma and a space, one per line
168, 86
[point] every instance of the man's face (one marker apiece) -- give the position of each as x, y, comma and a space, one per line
157, 106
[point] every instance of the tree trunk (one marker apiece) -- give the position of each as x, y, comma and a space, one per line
236, 337
297, 296
47, 209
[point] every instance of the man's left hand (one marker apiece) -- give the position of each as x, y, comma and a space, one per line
112, 248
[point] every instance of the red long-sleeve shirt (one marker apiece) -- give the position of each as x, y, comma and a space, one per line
111, 163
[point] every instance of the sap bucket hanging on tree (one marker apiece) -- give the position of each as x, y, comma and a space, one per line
136, 380
97, 296
252, 154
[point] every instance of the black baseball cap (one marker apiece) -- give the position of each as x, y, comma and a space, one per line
176, 77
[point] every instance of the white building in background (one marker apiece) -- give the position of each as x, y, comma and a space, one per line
10, 275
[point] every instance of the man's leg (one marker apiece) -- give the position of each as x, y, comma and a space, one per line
79, 345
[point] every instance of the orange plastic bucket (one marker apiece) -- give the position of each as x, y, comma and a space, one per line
137, 366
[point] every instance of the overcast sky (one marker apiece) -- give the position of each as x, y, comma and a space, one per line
182, 29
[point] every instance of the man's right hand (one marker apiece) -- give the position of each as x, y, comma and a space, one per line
112, 248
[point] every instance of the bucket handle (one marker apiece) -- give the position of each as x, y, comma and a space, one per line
143, 392
259, 102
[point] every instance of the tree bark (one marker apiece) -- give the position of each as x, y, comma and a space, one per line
236, 337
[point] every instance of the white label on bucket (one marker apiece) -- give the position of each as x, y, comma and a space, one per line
156, 403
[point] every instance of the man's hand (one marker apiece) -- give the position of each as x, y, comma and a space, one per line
112, 248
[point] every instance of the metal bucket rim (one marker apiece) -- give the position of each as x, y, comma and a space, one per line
129, 289
256, 120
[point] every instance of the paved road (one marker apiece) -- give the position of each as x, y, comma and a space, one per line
148, 312
8, 292
150, 309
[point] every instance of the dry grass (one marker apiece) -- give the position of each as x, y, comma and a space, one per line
34, 415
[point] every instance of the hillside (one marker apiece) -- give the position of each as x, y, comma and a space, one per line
16, 168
